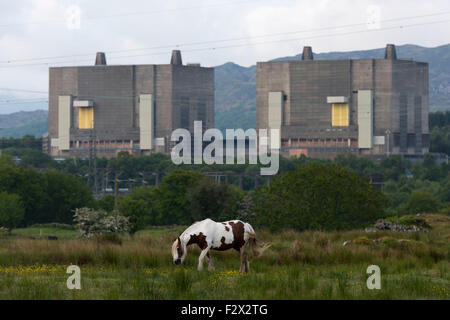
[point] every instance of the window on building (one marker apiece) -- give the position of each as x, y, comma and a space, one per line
339, 115
85, 118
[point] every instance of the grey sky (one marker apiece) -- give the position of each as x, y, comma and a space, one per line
32, 29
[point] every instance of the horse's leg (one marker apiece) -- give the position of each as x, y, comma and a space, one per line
246, 265
210, 263
243, 260
201, 258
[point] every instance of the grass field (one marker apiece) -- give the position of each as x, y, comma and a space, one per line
307, 265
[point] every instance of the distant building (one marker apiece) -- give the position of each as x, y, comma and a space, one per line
363, 106
131, 108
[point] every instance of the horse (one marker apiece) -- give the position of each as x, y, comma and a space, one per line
220, 236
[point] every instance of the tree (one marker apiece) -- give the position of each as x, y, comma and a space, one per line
171, 202
7, 160
138, 207
12, 211
246, 208
35, 158
318, 196
65, 192
31, 188
419, 202
106, 203
208, 199
393, 167
440, 139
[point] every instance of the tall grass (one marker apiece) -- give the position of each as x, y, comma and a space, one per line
306, 265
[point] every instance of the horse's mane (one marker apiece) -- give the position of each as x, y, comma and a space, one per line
191, 227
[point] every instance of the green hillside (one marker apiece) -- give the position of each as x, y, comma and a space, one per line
18, 124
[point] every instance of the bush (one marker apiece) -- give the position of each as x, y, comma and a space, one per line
207, 199
420, 202
106, 203
320, 197
12, 211
90, 222
413, 221
445, 209
139, 207
363, 241
170, 197
48, 196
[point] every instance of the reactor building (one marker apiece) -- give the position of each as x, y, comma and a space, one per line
368, 107
133, 108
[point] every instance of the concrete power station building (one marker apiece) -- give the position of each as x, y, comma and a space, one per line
131, 108
371, 107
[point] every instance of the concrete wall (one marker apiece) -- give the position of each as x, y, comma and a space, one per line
273, 76
307, 116
115, 91
193, 86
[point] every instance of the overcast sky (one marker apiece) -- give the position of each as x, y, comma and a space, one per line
254, 30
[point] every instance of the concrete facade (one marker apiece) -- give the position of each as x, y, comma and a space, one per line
180, 94
320, 93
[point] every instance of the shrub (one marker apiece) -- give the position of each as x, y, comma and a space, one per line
207, 199
171, 202
363, 240
320, 197
91, 222
12, 211
138, 212
413, 220
420, 202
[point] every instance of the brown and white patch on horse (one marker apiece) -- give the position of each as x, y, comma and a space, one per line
238, 237
199, 239
208, 234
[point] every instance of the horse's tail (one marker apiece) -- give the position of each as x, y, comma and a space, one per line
254, 248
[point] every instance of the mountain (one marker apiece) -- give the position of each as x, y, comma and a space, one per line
235, 95
236, 85
21, 123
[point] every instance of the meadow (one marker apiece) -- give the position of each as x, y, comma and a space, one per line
299, 265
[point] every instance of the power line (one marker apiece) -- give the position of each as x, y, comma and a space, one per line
242, 45
233, 39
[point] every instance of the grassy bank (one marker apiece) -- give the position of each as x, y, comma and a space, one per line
307, 265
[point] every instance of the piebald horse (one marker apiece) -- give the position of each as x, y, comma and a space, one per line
208, 234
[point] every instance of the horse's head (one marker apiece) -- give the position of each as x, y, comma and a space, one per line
178, 251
